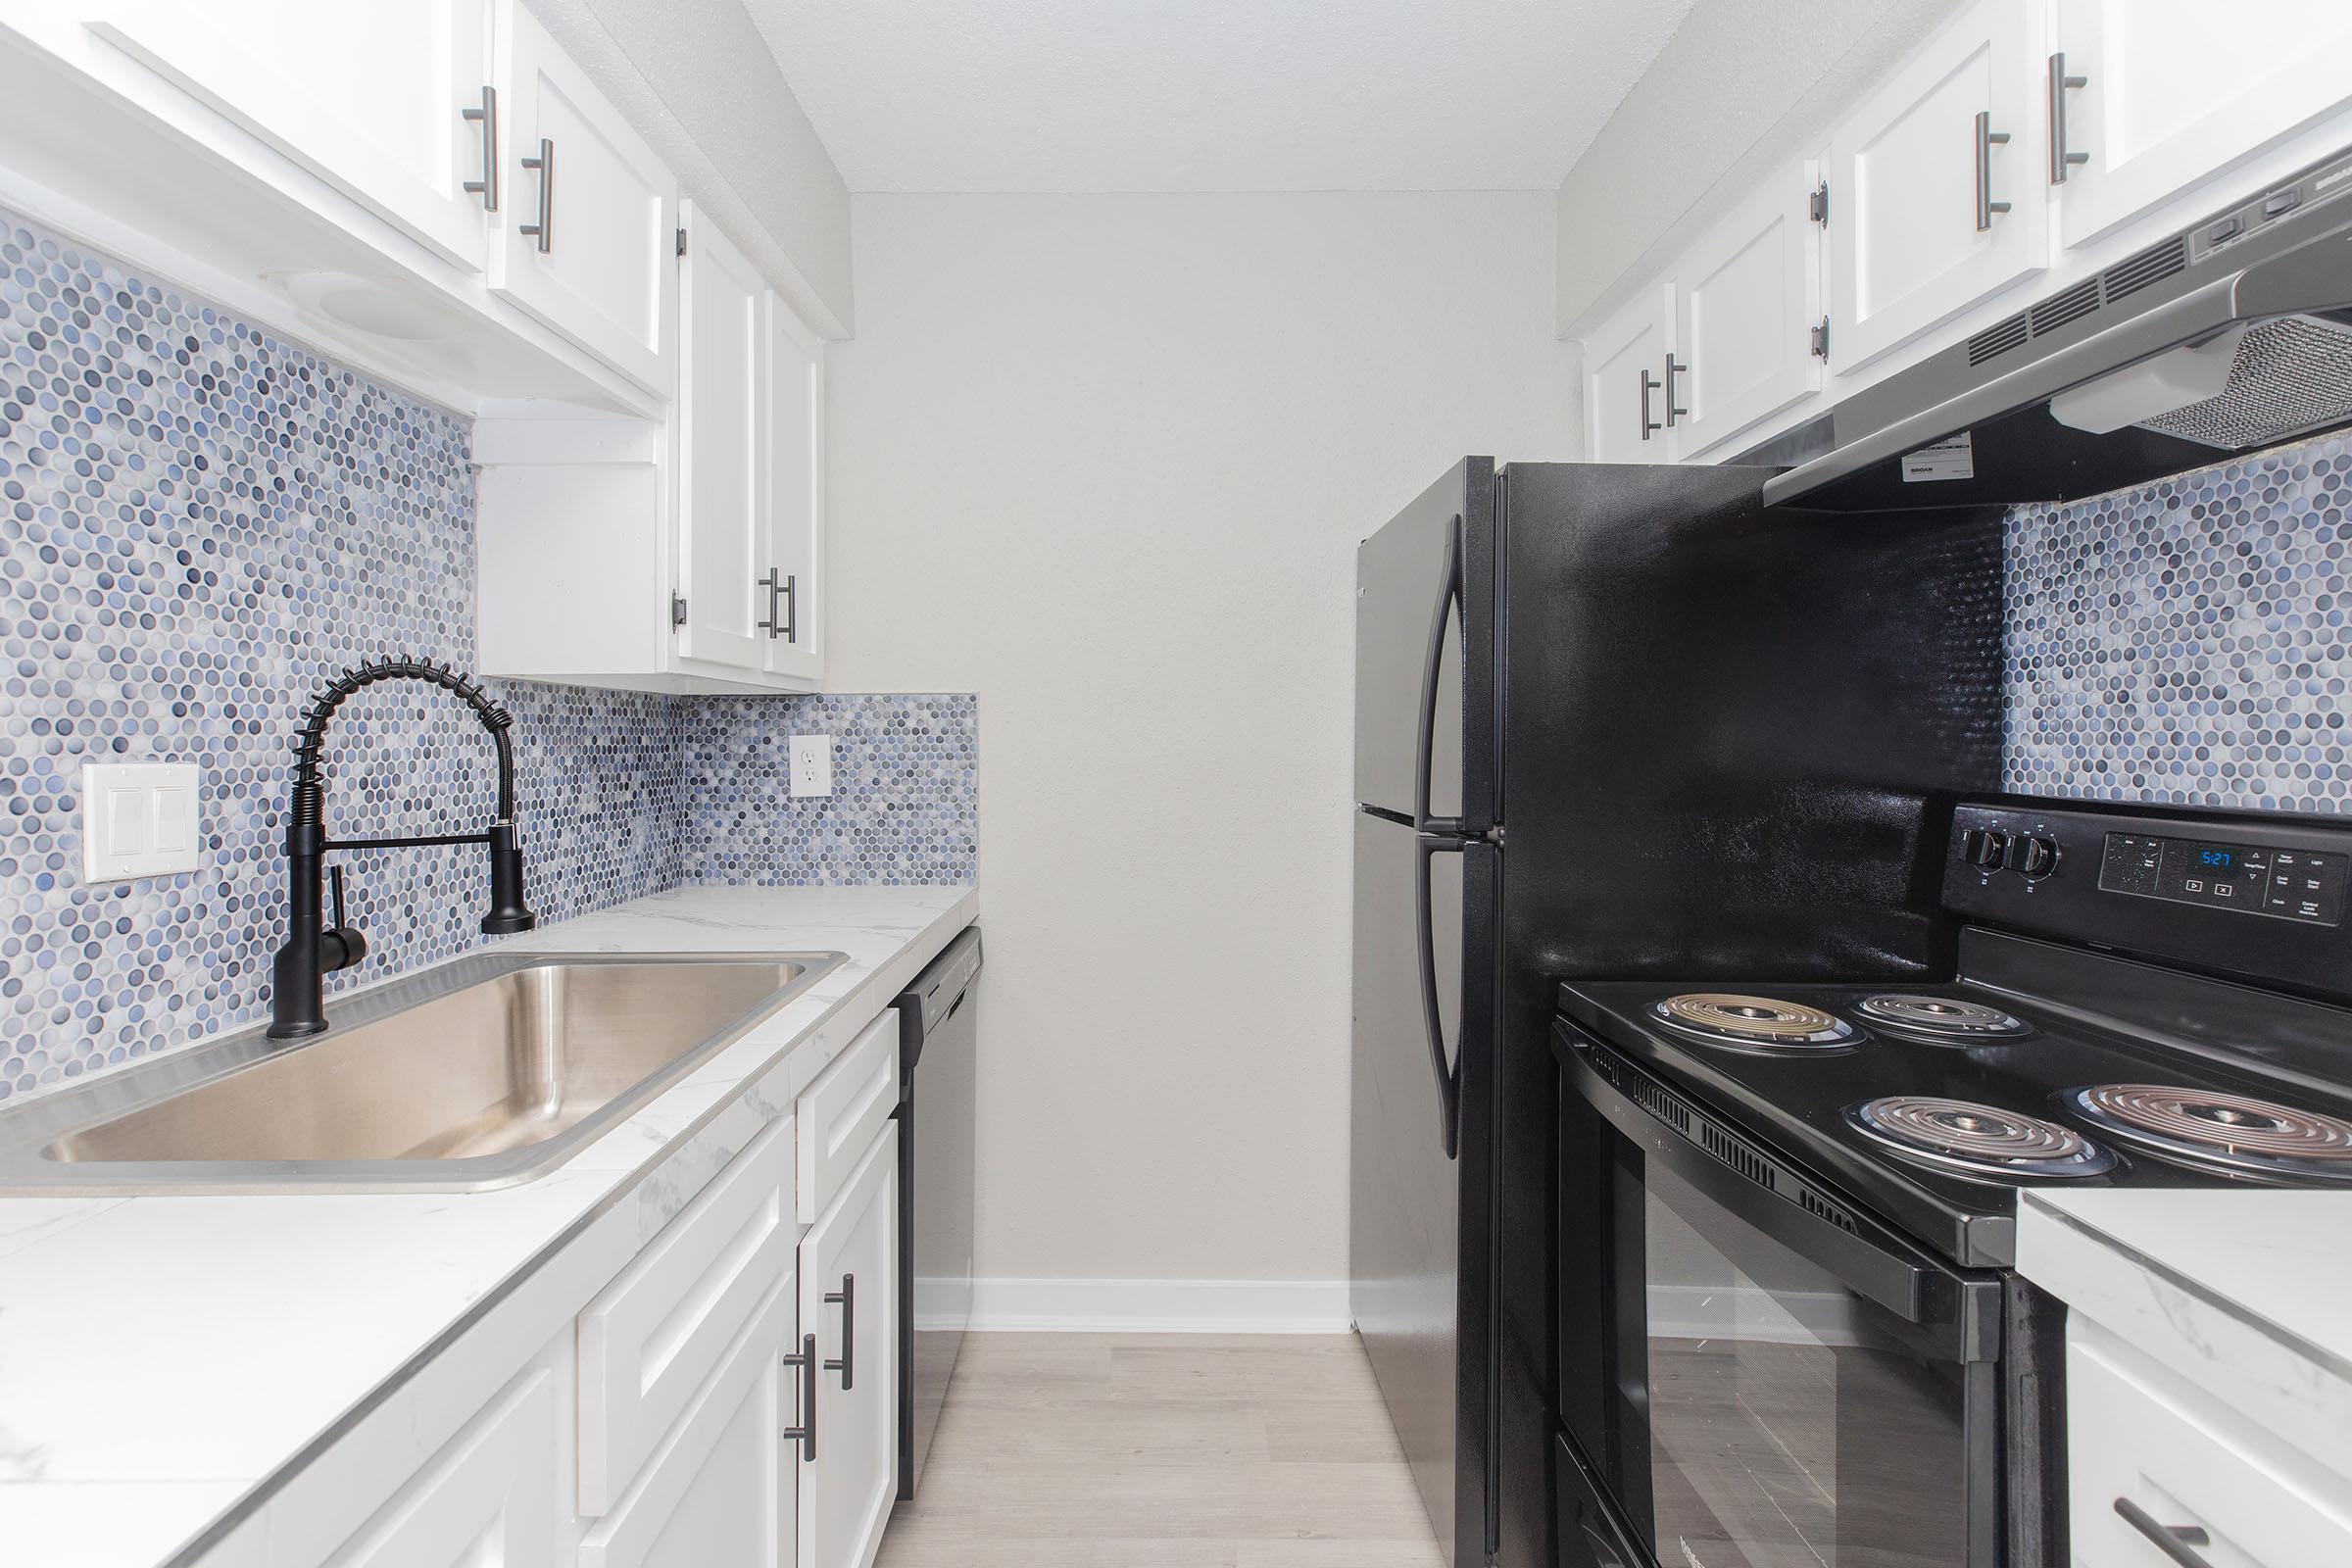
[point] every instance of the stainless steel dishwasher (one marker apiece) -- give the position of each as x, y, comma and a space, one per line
937, 1070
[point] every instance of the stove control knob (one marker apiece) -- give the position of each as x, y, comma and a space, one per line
2033, 857
1983, 846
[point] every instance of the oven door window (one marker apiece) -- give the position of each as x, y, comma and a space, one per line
1772, 1417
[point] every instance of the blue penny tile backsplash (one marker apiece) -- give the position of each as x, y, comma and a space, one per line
2189, 642
905, 806
198, 525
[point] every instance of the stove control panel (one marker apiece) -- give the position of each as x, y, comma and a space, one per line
2246, 878
2249, 896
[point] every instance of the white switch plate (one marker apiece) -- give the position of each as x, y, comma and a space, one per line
139, 819
811, 764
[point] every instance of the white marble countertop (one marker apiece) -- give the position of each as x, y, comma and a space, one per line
164, 1359
2246, 1293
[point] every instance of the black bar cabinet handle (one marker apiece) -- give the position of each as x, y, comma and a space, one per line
1433, 1026
544, 231
806, 1433
2174, 1541
847, 1299
1449, 599
768, 623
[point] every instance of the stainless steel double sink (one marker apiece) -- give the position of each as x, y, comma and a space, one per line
485, 1072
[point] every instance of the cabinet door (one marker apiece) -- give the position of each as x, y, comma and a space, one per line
794, 490
722, 534
1625, 369
1917, 227
369, 95
489, 1499
850, 1301
588, 232
720, 1488
1745, 312
2173, 90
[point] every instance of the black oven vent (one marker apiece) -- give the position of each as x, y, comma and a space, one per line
1742, 1159
1662, 1105
1821, 1209
1727, 1147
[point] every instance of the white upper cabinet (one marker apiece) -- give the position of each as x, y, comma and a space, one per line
1938, 183
2153, 95
1625, 382
722, 533
369, 95
1747, 302
587, 241
792, 492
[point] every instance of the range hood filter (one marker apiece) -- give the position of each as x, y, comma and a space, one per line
2290, 376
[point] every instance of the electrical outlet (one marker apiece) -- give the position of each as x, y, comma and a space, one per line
811, 764
138, 819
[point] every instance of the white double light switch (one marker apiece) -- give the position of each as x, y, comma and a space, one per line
811, 764
138, 819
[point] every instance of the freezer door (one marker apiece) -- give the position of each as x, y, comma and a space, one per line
1424, 655
1404, 1226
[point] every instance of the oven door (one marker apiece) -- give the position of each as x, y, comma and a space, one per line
1755, 1374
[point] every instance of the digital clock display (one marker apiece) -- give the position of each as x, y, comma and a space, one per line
2219, 859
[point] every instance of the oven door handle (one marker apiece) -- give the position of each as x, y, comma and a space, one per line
1961, 1314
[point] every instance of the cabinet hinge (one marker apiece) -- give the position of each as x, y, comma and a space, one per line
677, 610
681, 241
1817, 204
1819, 338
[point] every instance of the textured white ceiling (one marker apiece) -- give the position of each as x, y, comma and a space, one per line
1157, 95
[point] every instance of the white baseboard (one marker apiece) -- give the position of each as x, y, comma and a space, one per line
1160, 1307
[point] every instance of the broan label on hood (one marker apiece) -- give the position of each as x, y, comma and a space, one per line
1955, 459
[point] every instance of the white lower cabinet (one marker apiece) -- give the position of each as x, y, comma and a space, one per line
492, 1495
727, 1398
2153, 1465
848, 1300
719, 1489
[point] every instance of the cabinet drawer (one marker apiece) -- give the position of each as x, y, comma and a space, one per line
841, 1113
648, 1341
2131, 1437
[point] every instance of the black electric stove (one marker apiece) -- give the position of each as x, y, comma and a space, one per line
1787, 1316
1933, 1105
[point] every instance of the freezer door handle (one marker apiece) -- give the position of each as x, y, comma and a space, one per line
1450, 602
1448, 1074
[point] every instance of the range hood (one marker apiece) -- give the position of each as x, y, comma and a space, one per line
2231, 335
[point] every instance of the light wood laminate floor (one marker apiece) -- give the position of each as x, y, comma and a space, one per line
1088, 1450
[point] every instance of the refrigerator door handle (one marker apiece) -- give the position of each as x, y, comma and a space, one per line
1448, 1074
1450, 601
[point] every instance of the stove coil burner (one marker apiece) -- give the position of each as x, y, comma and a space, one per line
1755, 1023
2233, 1134
1973, 1139
1942, 1018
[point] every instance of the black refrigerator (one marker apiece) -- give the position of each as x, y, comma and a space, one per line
1611, 720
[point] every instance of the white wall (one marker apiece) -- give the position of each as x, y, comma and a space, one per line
1105, 459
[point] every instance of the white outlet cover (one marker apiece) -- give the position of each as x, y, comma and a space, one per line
140, 819
811, 764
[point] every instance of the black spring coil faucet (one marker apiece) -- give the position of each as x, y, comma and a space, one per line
313, 949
